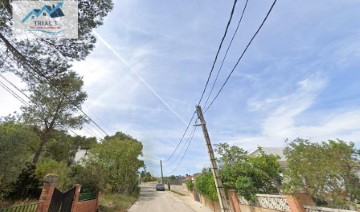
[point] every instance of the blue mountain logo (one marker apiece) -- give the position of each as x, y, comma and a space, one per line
52, 11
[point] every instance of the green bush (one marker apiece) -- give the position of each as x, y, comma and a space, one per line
205, 184
189, 185
91, 178
27, 185
47, 166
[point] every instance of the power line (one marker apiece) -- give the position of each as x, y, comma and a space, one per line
2, 76
19, 97
227, 50
207, 82
13, 93
60, 54
17, 53
25, 102
246, 48
184, 145
218, 51
177, 146
187, 148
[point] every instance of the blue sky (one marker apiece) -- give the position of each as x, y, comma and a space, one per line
299, 78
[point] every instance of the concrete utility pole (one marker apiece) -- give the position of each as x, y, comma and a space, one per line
162, 178
219, 186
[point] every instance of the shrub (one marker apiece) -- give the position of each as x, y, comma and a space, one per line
47, 166
189, 185
27, 185
205, 184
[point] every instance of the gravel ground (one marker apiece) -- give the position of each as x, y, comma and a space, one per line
164, 201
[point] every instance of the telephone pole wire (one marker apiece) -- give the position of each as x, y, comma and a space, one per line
215, 170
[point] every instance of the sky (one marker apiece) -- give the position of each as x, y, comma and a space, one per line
299, 78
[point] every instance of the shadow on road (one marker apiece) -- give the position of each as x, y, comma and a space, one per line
148, 192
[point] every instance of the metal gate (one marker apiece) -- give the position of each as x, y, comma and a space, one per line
62, 201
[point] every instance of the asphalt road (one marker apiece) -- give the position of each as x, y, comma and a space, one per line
164, 201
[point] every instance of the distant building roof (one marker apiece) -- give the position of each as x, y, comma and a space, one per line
271, 150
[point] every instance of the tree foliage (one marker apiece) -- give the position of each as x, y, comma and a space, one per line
205, 184
327, 170
16, 143
50, 109
189, 185
249, 175
63, 147
146, 176
27, 185
47, 166
117, 157
26, 57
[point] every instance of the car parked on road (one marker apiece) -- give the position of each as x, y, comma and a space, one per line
160, 187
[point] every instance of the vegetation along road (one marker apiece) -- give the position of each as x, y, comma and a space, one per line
152, 200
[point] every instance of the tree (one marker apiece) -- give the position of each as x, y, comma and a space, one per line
230, 154
249, 175
146, 176
259, 175
26, 57
16, 143
51, 108
326, 170
63, 147
117, 158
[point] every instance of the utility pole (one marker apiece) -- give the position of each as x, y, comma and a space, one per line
162, 178
219, 186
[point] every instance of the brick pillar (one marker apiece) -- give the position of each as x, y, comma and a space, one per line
234, 201
50, 183
76, 196
294, 204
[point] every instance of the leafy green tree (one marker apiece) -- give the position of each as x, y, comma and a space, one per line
327, 170
258, 176
50, 110
249, 175
146, 176
16, 143
63, 147
230, 154
117, 156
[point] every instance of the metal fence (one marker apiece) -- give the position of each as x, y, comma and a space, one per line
21, 208
86, 196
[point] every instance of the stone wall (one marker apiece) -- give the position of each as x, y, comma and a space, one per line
179, 188
322, 209
269, 203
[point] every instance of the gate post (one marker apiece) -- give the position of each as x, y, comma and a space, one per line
76, 197
50, 182
234, 200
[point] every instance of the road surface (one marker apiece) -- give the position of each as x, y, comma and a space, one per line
164, 201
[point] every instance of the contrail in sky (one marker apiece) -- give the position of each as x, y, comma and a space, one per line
140, 77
